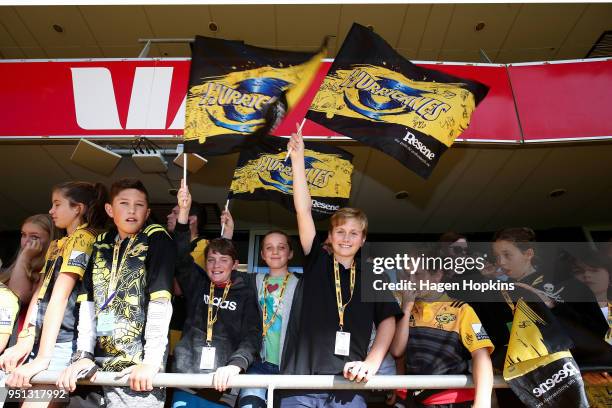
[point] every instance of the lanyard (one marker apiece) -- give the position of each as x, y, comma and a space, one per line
342, 307
210, 321
49, 272
116, 267
268, 323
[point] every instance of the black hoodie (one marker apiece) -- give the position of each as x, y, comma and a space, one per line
237, 331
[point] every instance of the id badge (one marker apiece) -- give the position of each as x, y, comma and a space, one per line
207, 362
343, 343
105, 324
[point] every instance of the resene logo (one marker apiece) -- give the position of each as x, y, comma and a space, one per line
411, 139
568, 370
324, 206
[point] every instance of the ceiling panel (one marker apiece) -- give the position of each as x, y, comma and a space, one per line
462, 196
104, 20
6, 40
179, 21
507, 56
386, 21
437, 26
464, 55
303, 25
35, 52
40, 21
110, 51
414, 26
15, 26
254, 24
572, 168
596, 19
542, 25
75, 52
497, 19
174, 50
11, 52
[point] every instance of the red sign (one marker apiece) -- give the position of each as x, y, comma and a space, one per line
123, 98
563, 100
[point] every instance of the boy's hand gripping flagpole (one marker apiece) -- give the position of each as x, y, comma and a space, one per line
299, 130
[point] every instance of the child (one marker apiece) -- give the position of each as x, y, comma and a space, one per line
52, 315
333, 336
222, 333
37, 232
125, 310
275, 292
438, 335
9, 310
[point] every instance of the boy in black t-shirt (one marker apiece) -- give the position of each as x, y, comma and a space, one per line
125, 305
336, 324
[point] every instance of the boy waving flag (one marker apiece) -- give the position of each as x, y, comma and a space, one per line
374, 95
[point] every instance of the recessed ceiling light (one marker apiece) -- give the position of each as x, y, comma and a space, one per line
58, 28
402, 194
480, 26
212, 26
558, 192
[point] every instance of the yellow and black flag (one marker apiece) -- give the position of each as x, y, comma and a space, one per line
539, 366
237, 90
374, 95
263, 174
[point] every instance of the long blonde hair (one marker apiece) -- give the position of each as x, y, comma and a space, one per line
45, 222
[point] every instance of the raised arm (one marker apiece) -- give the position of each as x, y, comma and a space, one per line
301, 195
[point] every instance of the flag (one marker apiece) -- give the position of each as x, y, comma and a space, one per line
539, 366
237, 90
263, 174
374, 95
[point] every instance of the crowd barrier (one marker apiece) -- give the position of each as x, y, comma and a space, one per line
284, 382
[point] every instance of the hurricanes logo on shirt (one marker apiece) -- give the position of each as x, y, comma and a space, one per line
445, 318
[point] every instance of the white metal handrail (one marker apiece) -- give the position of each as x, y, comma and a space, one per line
286, 382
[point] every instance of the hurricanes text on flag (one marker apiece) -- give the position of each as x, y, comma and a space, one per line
237, 90
376, 96
263, 174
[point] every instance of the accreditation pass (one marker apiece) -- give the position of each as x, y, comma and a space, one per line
207, 362
343, 343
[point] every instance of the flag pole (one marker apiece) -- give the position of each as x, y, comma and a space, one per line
185, 167
298, 131
223, 225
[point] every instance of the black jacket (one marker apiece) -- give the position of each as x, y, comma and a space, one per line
237, 331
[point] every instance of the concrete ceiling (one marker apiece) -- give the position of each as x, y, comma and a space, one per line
472, 188
446, 32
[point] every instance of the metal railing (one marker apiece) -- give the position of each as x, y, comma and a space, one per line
286, 382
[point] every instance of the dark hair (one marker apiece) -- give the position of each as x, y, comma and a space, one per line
126, 184
283, 233
523, 237
595, 259
450, 237
92, 195
223, 246
197, 210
